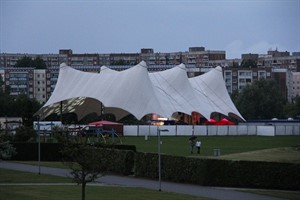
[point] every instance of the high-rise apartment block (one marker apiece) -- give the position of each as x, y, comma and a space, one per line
40, 83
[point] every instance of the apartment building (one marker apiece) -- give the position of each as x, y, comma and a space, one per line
19, 81
39, 84
237, 79
295, 85
196, 55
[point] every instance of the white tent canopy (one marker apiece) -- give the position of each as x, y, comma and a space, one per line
138, 92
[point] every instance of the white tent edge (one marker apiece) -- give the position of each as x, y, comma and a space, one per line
73, 84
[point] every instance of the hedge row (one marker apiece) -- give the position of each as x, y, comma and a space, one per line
117, 160
215, 172
51, 151
118, 146
207, 172
29, 151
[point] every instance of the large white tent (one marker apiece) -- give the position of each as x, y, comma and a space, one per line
139, 92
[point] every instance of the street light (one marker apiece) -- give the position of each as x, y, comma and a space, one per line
159, 159
39, 143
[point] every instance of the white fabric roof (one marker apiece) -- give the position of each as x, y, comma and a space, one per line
140, 93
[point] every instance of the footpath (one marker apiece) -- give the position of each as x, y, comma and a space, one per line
130, 181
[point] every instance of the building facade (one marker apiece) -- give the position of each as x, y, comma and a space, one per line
40, 83
196, 55
295, 85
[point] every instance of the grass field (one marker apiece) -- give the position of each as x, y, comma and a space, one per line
178, 145
71, 192
279, 149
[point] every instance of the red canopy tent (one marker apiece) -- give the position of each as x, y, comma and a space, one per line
108, 125
224, 121
211, 122
102, 122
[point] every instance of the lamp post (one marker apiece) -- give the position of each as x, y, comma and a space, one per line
39, 143
159, 158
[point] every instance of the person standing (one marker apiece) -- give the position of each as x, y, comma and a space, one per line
198, 146
192, 144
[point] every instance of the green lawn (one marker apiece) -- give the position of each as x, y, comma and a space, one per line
283, 155
291, 195
11, 176
72, 192
92, 193
178, 145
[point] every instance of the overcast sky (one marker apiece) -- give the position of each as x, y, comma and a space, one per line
91, 26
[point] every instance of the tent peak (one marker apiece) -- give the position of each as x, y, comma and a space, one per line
219, 68
181, 66
143, 64
63, 65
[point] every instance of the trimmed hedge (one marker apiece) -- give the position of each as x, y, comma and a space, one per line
29, 151
118, 161
215, 172
117, 146
51, 151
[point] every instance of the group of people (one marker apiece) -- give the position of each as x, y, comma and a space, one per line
193, 144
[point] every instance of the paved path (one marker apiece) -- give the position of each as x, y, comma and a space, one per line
195, 190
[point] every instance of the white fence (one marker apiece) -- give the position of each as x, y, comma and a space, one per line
187, 130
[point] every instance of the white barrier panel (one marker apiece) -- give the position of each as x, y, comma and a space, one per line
171, 130
200, 130
242, 130
232, 130
266, 130
296, 130
184, 130
289, 130
252, 130
222, 130
187, 130
130, 130
212, 130
280, 130
143, 130
153, 130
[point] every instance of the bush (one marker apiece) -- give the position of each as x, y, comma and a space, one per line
215, 172
24, 134
117, 146
112, 160
118, 161
29, 151
6, 150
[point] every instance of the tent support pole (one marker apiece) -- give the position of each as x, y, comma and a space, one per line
61, 119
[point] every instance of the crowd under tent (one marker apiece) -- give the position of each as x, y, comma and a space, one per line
136, 91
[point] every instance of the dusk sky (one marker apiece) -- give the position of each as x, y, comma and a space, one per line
116, 26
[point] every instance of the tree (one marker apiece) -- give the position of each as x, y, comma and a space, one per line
26, 109
293, 109
7, 103
26, 61
24, 134
261, 100
39, 63
249, 63
85, 161
6, 149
